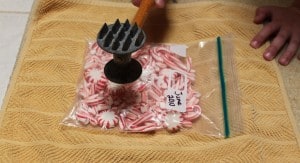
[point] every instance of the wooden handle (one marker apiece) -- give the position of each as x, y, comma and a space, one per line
143, 12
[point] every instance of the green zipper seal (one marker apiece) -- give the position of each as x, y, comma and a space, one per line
223, 87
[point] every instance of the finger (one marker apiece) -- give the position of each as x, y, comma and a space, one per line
276, 45
160, 3
136, 2
262, 36
262, 13
290, 52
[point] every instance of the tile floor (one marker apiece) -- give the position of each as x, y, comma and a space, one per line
13, 19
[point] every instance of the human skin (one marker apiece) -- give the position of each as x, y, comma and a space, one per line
158, 3
281, 27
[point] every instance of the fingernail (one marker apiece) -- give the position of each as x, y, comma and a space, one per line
254, 44
283, 61
160, 3
268, 56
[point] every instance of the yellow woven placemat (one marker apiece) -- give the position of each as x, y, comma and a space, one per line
44, 82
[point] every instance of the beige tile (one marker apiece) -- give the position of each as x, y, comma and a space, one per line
12, 28
4, 77
16, 5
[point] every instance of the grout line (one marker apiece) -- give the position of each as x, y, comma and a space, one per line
14, 12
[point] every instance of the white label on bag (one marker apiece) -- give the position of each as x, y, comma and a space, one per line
179, 49
177, 91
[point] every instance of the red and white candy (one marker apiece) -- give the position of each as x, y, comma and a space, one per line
138, 106
107, 119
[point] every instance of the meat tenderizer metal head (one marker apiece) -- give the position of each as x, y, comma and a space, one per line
122, 39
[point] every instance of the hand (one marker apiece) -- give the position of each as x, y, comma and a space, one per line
284, 25
158, 3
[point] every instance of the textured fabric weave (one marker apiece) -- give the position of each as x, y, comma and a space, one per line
44, 82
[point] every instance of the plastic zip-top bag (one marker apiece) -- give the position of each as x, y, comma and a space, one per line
174, 91
216, 80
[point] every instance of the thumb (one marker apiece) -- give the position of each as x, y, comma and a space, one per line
136, 2
160, 3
